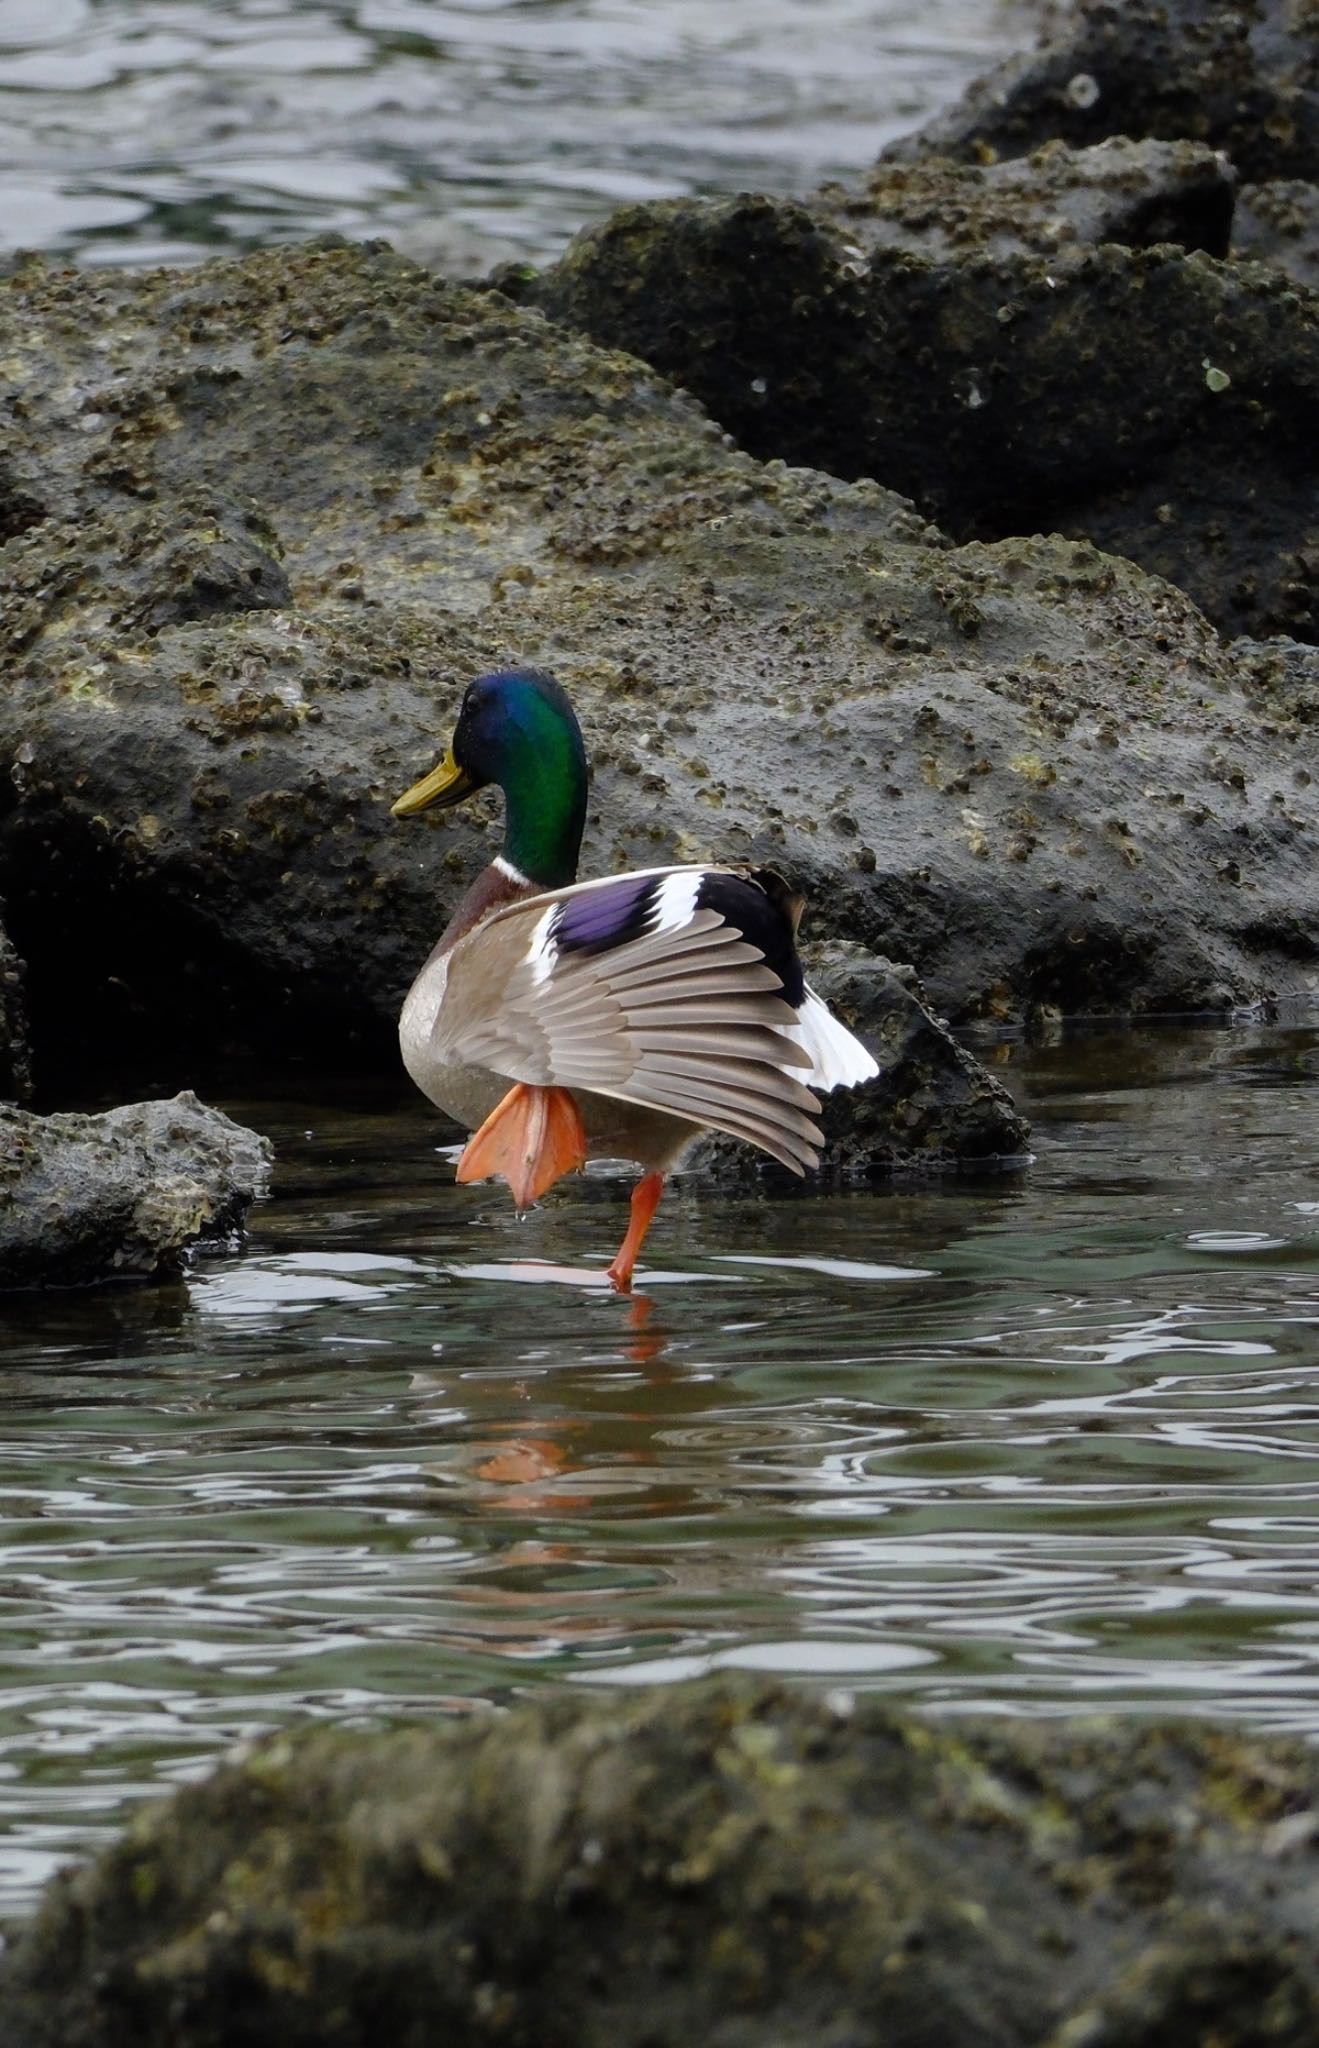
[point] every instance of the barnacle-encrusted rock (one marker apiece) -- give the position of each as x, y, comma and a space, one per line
1243, 79
1027, 768
1136, 193
1278, 223
956, 333
122, 1195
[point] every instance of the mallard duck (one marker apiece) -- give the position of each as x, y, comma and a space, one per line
563, 1021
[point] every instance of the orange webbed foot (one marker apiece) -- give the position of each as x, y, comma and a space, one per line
532, 1137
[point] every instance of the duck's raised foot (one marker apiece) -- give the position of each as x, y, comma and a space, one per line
532, 1137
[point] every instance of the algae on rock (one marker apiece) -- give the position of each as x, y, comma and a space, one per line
731, 1864
1243, 80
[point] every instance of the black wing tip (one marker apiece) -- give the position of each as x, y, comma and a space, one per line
758, 903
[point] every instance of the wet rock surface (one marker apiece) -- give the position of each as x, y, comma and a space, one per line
123, 1195
201, 789
726, 1864
1240, 84
932, 1107
1028, 769
1158, 402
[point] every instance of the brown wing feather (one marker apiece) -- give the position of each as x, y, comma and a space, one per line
688, 1021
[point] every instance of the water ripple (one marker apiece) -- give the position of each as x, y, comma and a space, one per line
1022, 1446
159, 130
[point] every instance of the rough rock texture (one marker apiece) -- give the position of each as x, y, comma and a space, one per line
1027, 769
1164, 405
1241, 77
15, 1058
1135, 193
932, 1107
1242, 83
1278, 223
1030, 770
734, 1866
86, 1198
958, 326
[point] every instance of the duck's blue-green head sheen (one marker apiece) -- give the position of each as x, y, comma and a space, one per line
516, 728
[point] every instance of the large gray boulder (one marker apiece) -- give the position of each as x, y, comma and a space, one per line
980, 340
1028, 769
124, 1195
733, 1866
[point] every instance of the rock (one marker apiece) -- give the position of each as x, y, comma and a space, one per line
1027, 768
1245, 80
932, 1107
1278, 223
736, 1865
1135, 193
15, 1059
1154, 402
20, 507
932, 1104
123, 1195
1283, 673
201, 808
1236, 88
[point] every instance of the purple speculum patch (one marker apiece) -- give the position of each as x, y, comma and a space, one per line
606, 916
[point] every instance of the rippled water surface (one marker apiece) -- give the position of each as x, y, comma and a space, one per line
1034, 1444
467, 131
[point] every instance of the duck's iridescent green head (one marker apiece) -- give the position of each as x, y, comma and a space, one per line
517, 729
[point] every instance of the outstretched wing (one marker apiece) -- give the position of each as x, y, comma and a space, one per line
673, 988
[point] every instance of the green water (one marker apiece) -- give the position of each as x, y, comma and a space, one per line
1041, 1444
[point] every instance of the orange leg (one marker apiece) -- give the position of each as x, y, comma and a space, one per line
532, 1137
645, 1201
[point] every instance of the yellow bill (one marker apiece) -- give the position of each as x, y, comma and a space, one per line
445, 785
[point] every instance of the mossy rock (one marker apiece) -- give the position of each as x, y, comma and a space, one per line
734, 1865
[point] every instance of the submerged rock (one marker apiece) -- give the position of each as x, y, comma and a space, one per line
731, 1865
931, 1108
122, 1195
